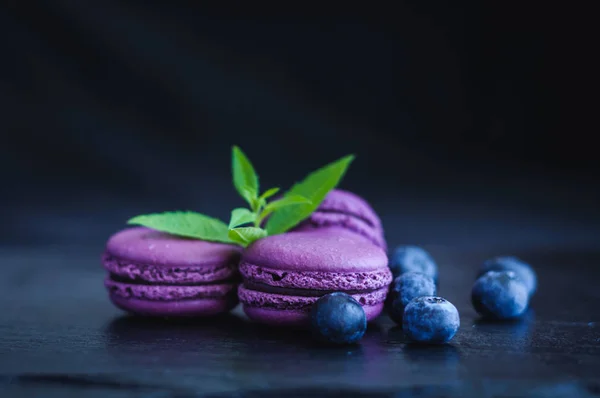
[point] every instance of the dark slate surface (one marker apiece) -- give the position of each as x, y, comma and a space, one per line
59, 336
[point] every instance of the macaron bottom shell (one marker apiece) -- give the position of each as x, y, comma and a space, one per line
289, 310
296, 318
181, 308
171, 300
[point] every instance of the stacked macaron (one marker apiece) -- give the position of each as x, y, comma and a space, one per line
285, 274
339, 248
156, 274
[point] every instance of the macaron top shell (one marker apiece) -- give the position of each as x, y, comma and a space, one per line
320, 251
146, 246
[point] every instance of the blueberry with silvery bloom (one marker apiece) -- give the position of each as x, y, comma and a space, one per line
406, 287
500, 295
430, 319
413, 259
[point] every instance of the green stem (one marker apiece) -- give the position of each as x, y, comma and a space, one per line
258, 219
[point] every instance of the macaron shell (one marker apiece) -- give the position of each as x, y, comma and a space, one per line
253, 298
181, 308
149, 247
291, 318
320, 250
190, 274
168, 292
319, 280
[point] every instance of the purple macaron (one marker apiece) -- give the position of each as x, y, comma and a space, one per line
157, 274
343, 209
285, 274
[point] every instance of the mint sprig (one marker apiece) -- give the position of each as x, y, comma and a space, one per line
245, 225
314, 187
244, 176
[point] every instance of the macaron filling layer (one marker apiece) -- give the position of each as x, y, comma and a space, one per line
255, 298
169, 292
317, 280
122, 279
261, 287
136, 271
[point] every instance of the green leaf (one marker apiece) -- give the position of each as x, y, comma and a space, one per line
268, 193
246, 235
241, 216
185, 223
314, 187
245, 179
283, 202
262, 200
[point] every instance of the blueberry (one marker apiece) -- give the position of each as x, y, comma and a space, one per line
405, 288
500, 295
412, 259
338, 318
509, 263
430, 319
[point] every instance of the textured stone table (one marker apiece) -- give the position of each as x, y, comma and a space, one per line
59, 336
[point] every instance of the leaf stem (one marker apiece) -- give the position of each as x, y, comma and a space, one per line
258, 212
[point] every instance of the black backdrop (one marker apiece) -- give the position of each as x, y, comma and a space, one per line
457, 112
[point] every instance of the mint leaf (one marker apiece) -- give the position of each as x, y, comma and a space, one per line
262, 200
283, 202
268, 193
245, 179
246, 235
241, 216
314, 187
185, 223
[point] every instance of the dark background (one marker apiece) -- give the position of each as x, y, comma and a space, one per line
474, 128
463, 116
